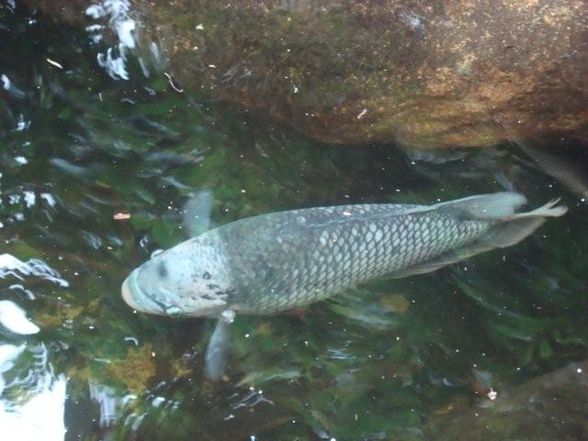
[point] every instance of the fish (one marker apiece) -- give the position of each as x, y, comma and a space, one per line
278, 261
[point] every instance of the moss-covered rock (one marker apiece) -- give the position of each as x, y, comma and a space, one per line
424, 74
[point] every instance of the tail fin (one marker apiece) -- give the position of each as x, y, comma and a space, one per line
512, 229
492, 206
548, 210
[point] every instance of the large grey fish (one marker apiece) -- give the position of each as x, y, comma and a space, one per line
277, 261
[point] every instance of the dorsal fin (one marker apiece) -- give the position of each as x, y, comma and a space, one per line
493, 206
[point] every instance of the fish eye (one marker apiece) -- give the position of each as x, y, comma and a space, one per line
162, 270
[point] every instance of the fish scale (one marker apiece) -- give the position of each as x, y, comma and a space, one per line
277, 261
302, 256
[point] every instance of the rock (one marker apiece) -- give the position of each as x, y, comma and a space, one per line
425, 74
551, 407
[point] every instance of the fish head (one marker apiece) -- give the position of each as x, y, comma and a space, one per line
187, 280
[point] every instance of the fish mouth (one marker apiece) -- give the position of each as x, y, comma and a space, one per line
129, 288
139, 300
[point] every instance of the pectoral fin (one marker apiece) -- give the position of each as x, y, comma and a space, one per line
215, 359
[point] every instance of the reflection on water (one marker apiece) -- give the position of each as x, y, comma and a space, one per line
108, 402
13, 318
115, 13
96, 174
11, 266
32, 398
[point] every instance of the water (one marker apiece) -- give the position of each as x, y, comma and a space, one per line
95, 175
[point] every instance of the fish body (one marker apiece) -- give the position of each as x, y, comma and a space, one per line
277, 261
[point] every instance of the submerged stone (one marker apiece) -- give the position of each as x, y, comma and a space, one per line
551, 407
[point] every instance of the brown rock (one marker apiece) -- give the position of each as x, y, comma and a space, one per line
427, 74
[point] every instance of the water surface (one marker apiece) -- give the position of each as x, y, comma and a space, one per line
96, 174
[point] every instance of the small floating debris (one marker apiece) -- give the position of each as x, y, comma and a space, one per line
54, 63
121, 216
172, 84
492, 394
